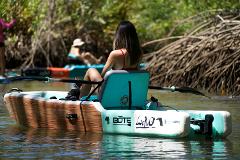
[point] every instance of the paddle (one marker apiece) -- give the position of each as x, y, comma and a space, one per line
46, 79
179, 89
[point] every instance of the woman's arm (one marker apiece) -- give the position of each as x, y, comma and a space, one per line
109, 63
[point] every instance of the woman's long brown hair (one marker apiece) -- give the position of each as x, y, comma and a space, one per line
126, 37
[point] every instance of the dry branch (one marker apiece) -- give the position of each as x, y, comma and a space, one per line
207, 57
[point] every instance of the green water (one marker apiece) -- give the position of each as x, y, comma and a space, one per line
22, 143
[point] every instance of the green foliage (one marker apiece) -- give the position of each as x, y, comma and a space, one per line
153, 19
156, 18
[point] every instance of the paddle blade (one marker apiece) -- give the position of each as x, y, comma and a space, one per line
189, 90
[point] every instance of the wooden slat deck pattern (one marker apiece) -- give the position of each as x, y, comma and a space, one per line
51, 114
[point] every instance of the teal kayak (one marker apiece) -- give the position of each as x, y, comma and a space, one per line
69, 71
8, 75
120, 108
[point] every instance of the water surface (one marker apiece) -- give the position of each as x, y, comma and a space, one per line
21, 143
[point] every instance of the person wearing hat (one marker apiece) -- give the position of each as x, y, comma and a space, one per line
74, 56
78, 56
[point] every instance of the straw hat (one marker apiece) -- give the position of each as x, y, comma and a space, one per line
77, 42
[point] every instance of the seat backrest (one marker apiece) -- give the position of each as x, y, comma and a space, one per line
123, 89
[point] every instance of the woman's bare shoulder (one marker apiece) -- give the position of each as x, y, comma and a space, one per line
116, 53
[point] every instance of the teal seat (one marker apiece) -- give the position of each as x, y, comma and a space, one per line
123, 89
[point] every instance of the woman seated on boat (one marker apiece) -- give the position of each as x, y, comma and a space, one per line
126, 55
77, 55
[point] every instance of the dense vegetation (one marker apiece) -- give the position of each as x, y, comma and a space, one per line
207, 56
45, 29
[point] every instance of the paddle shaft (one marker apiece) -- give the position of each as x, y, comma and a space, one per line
179, 89
47, 79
